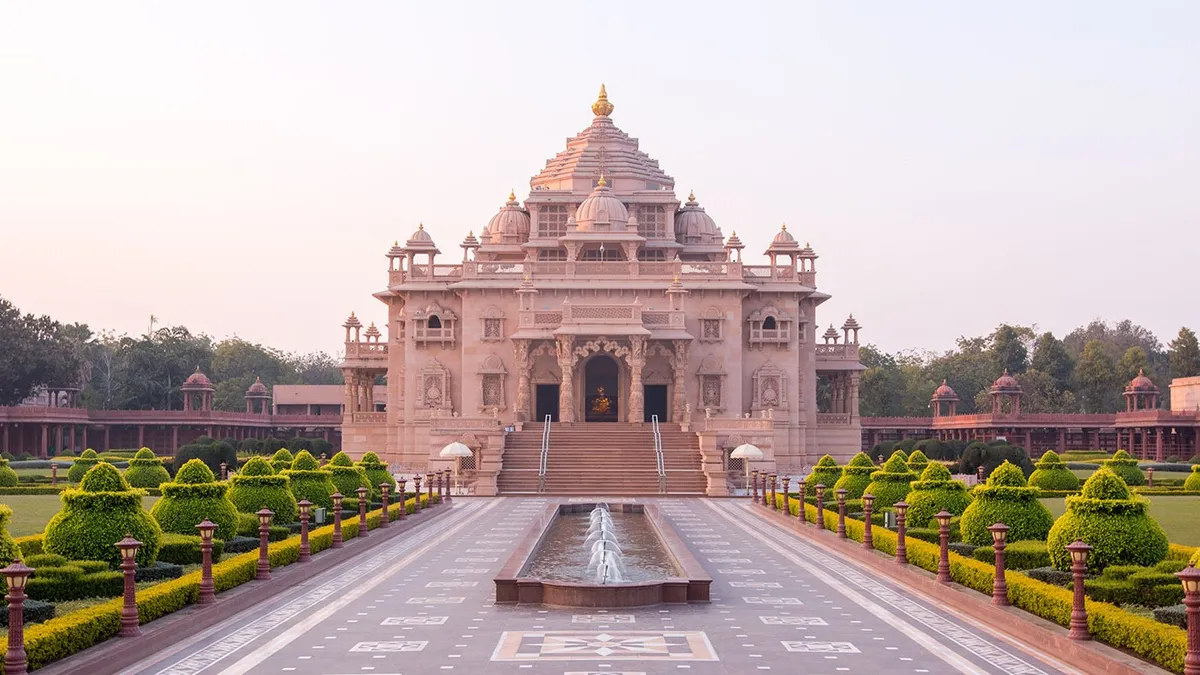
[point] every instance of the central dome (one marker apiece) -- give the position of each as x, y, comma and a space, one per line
602, 209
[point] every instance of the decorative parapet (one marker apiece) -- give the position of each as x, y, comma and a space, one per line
833, 419
442, 424
366, 350
834, 352
721, 424
369, 418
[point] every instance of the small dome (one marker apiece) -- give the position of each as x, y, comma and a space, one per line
372, 331
396, 251
420, 238
734, 242
485, 237
807, 251
945, 393
601, 208
352, 322
784, 239
197, 380
695, 227
258, 388
1141, 383
511, 224
851, 323
831, 333
470, 241
1006, 384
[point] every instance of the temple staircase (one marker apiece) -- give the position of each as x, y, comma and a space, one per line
601, 459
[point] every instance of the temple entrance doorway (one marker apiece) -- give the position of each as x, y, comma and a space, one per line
600, 379
656, 402
546, 402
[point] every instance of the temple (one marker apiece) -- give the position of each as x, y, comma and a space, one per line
607, 313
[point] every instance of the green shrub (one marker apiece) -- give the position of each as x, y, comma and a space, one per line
856, 476
1134, 585
1126, 467
34, 611
1175, 615
377, 474
62, 584
1193, 479
992, 454
256, 487
8, 477
826, 472
1018, 555
308, 481
1052, 474
933, 493
158, 571
45, 560
1113, 521
917, 461
97, 515
1050, 575
146, 470
890, 484
211, 452
184, 549
9, 550
347, 477
1005, 498
282, 459
86, 460
192, 497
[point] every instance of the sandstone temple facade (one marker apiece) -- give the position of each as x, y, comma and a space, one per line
600, 303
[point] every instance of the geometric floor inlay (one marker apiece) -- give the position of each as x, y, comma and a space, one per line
566, 645
793, 621
820, 647
397, 646
415, 621
602, 618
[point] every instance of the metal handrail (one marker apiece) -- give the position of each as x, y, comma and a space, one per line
660, 464
545, 453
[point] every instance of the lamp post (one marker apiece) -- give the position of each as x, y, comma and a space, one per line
943, 520
417, 492
447, 493
754, 491
999, 586
53, 480
802, 488
868, 540
429, 488
362, 512
841, 503
224, 471
263, 571
305, 550
1149, 476
1190, 576
820, 506
901, 549
129, 611
400, 494
979, 473
773, 481
1079, 554
787, 506
15, 576
207, 596
879, 460
337, 520
383, 493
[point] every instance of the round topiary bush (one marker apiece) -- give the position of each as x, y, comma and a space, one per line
257, 486
308, 480
146, 470
8, 477
1052, 474
826, 472
377, 473
86, 460
9, 550
917, 462
1005, 498
1113, 521
97, 515
1193, 479
193, 496
900, 451
1126, 467
856, 476
282, 459
890, 484
933, 493
346, 477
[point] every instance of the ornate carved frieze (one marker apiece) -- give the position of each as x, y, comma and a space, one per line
768, 387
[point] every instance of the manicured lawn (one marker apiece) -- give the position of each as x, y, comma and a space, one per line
32, 512
1158, 475
1177, 515
24, 473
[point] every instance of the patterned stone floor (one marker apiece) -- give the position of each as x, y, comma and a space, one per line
424, 604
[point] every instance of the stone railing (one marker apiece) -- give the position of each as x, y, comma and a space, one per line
601, 268
441, 423
833, 419
370, 418
366, 349
720, 424
837, 352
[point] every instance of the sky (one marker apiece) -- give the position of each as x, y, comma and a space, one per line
241, 168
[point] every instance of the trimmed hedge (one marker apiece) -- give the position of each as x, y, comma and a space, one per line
9, 550
1193, 479
1005, 498
8, 477
158, 571
240, 544
282, 459
347, 477
1050, 575
856, 476
34, 611
1133, 585
97, 515
1126, 467
184, 549
1018, 555
1113, 521
86, 460
193, 496
917, 462
1052, 474
826, 472
308, 480
933, 493
377, 473
256, 486
146, 470
891, 483
211, 452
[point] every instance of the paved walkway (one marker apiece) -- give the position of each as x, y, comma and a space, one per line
424, 604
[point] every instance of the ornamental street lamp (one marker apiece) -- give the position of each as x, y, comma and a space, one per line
754, 491
999, 586
841, 504
53, 474
901, 531
943, 570
402, 496
1190, 576
15, 577
224, 471
773, 481
417, 496
337, 520
787, 506
263, 571
305, 550
820, 506
979, 473
362, 512
429, 489
868, 540
1149, 476
1079, 626
207, 595
802, 488
129, 611
383, 492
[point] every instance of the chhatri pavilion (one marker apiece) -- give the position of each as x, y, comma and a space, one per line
597, 306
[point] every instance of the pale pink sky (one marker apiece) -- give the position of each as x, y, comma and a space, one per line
241, 168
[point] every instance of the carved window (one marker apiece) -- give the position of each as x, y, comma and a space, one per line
552, 220
770, 326
552, 255
710, 325
491, 381
769, 388
651, 220
711, 391
433, 324
491, 329
434, 382
493, 391
493, 324
711, 376
652, 255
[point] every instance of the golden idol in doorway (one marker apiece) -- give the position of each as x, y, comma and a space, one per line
601, 405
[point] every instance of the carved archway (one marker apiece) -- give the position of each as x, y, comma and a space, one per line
601, 387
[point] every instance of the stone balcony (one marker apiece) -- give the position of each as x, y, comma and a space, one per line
570, 314
666, 270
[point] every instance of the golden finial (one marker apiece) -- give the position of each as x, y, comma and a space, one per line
602, 108
676, 278
512, 196
396, 242
691, 195
471, 234
734, 233
526, 276
601, 182
420, 226
784, 228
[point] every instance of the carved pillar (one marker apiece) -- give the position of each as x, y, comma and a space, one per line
566, 389
637, 361
521, 359
854, 377
679, 366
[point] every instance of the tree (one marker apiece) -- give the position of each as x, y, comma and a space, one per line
36, 352
1050, 356
1184, 354
1132, 362
1042, 394
1008, 348
1095, 379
